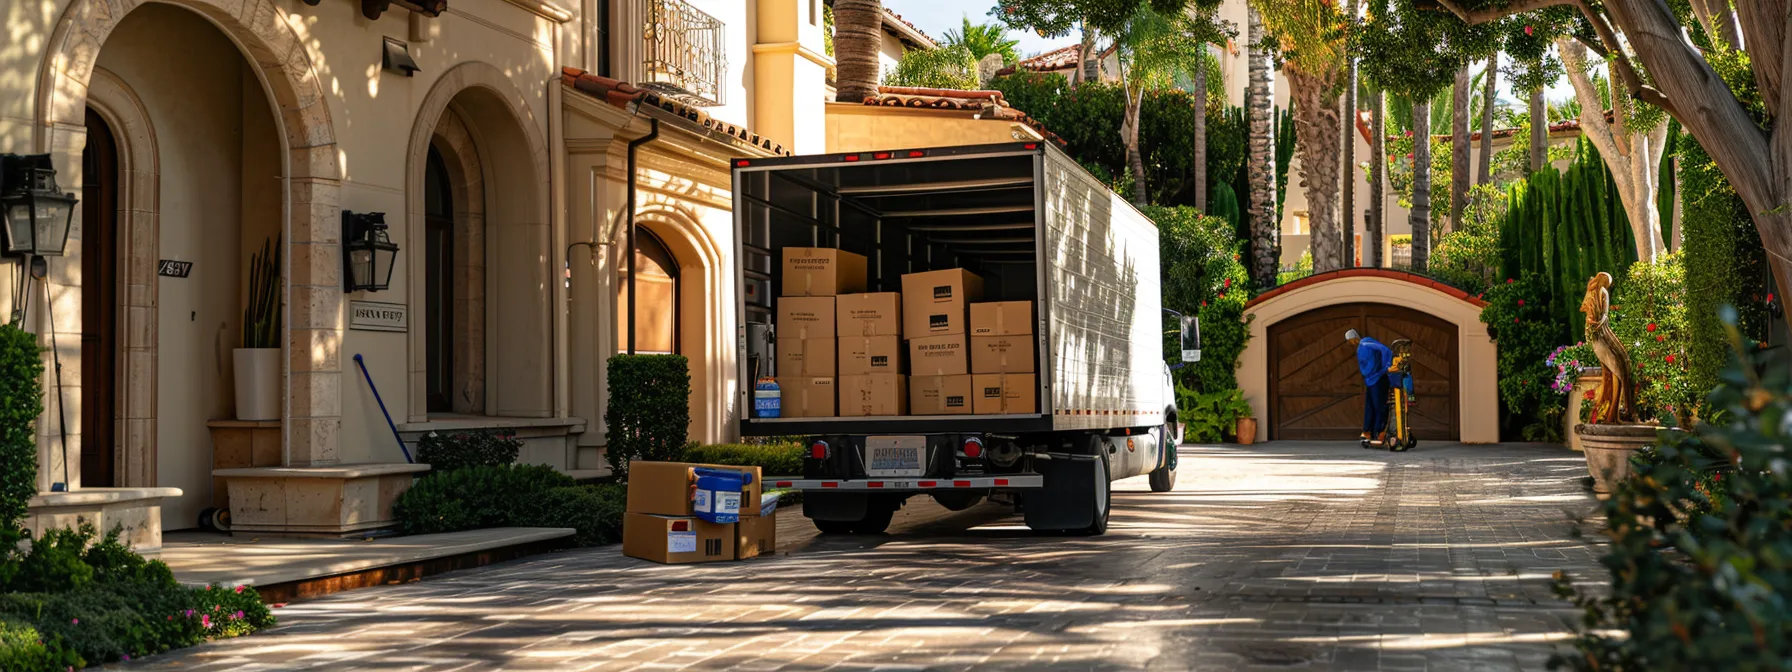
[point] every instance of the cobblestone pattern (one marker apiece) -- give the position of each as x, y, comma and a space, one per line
1274, 557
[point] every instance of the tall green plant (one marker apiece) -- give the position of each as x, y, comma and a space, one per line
21, 400
261, 318
1725, 265
649, 412
1566, 226
1203, 275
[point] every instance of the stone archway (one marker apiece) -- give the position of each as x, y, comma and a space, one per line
463, 116
1450, 312
701, 279
314, 294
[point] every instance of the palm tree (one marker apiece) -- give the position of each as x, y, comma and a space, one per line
1421, 188
1153, 50
984, 39
1348, 178
1489, 98
1200, 158
1539, 131
1378, 170
1314, 62
1266, 248
1459, 147
857, 36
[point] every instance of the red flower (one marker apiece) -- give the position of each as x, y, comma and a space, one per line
1527, 30
1203, 304
1590, 394
1409, 155
1651, 327
1670, 359
1509, 281
1659, 338
1515, 320
1227, 284
1521, 302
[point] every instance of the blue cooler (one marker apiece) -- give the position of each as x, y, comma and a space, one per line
719, 492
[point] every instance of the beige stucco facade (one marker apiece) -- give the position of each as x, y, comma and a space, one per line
1478, 378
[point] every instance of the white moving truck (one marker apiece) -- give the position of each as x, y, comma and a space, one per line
1035, 227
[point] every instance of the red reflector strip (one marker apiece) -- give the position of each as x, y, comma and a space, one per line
742, 163
961, 484
783, 484
1001, 481
874, 484
880, 155
928, 484
916, 153
830, 484
852, 157
1032, 145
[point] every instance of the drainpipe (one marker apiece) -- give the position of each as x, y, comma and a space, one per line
653, 133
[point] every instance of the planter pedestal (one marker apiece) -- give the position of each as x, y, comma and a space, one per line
333, 501
1608, 449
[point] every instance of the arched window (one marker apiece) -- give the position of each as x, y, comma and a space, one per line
656, 292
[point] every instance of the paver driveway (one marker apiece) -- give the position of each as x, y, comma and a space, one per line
1285, 556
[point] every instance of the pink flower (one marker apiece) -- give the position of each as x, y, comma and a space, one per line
205, 620
127, 657
1521, 302
1527, 30
239, 589
238, 615
75, 621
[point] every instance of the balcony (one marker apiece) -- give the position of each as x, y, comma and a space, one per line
683, 55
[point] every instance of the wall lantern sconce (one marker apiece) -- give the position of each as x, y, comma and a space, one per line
367, 254
397, 57
37, 213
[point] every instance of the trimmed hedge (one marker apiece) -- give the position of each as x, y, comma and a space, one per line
458, 450
649, 413
21, 400
511, 495
776, 459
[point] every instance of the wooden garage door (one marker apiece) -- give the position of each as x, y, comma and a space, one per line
1316, 391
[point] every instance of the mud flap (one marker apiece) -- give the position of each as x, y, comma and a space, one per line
1067, 502
840, 506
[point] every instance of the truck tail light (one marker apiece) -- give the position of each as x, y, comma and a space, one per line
742, 163
880, 155
973, 447
916, 153
819, 450
852, 157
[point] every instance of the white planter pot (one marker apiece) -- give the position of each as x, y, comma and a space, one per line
257, 383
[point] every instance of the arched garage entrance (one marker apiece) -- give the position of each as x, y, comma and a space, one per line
1300, 376
1315, 391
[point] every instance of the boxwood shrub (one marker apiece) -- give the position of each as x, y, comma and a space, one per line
511, 495
456, 450
649, 413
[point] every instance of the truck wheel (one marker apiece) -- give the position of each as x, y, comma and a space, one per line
834, 526
957, 501
876, 520
1164, 479
1104, 493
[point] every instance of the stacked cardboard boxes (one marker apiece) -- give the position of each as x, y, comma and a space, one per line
661, 525
935, 320
1004, 377
815, 278
871, 380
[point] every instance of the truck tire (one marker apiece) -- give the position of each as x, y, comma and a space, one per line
1164, 478
876, 520
1104, 492
834, 526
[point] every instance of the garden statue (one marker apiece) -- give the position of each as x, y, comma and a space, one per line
1612, 433
1616, 400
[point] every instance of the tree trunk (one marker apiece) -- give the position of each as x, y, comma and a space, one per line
1088, 62
1489, 95
1632, 154
1266, 248
1459, 147
1200, 158
1420, 218
1129, 136
1378, 170
1316, 125
858, 26
1347, 205
1716, 16
1539, 132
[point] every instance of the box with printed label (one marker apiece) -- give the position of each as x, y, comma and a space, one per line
676, 539
803, 317
806, 397
877, 314
861, 355
806, 357
873, 394
1001, 354
757, 534
667, 488
939, 395
821, 271
938, 356
1002, 318
934, 303
1005, 393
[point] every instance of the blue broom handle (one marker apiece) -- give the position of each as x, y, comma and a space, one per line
383, 411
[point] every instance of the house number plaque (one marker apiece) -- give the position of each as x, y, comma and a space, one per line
378, 316
169, 268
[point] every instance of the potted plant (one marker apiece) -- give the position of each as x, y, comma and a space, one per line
258, 361
1245, 424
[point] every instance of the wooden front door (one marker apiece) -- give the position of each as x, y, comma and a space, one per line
1316, 391
99, 303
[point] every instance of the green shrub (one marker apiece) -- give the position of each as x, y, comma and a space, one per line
649, 414
1725, 265
784, 459
1649, 312
55, 564
473, 448
1199, 261
1212, 416
21, 400
1520, 320
593, 511
1701, 587
21, 648
1468, 257
231, 612
473, 498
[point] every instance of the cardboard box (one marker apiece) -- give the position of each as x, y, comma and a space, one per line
1004, 393
939, 356
1002, 318
939, 395
878, 314
801, 317
806, 397
821, 271
813, 357
935, 303
860, 355
676, 539
873, 394
1001, 354
757, 534
665, 488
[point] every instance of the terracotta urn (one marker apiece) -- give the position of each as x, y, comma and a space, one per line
1608, 449
1247, 431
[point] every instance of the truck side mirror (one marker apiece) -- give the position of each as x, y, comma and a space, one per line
1191, 338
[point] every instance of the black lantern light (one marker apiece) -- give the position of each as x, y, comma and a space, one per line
37, 214
367, 254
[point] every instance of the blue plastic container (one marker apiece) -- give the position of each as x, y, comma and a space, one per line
766, 398
719, 494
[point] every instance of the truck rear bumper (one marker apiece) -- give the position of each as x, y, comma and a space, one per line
1003, 482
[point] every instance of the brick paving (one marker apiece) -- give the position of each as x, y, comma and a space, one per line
1287, 556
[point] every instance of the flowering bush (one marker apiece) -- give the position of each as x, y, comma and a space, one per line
1649, 315
1568, 360
1518, 318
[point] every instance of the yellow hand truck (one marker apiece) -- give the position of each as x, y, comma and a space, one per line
1400, 400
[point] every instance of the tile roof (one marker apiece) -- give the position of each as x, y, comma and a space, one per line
988, 103
1062, 58
621, 94
1390, 274
907, 32
1560, 128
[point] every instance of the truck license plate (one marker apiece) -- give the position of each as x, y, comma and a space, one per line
896, 455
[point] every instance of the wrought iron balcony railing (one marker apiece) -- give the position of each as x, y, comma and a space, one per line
683, 53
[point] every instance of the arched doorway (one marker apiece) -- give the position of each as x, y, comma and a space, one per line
438, 294
99, 304
1316, 391
657, 299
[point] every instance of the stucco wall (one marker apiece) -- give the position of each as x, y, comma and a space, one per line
1477, 385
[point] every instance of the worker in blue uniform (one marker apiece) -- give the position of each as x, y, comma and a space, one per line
1373, 360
